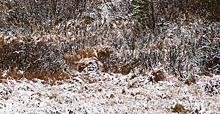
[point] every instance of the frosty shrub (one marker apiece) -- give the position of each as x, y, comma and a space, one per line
208, 57
39, 60
122, 36
213, 86
25, 17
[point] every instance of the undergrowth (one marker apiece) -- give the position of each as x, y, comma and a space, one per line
105, 33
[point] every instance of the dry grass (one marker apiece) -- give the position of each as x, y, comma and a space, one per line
29, 60
157, 76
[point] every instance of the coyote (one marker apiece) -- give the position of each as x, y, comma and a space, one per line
71, 58
80, 59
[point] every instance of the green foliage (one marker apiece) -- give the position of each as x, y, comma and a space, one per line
213, 9
141, 9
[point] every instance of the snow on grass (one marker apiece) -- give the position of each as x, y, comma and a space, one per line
111, 93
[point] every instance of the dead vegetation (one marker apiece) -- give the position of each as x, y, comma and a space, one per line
29, 60
157, 76
84, 39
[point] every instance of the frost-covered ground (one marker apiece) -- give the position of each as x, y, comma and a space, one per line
108, 93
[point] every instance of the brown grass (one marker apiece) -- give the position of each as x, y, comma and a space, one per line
157, 76
44, 75
34, 60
